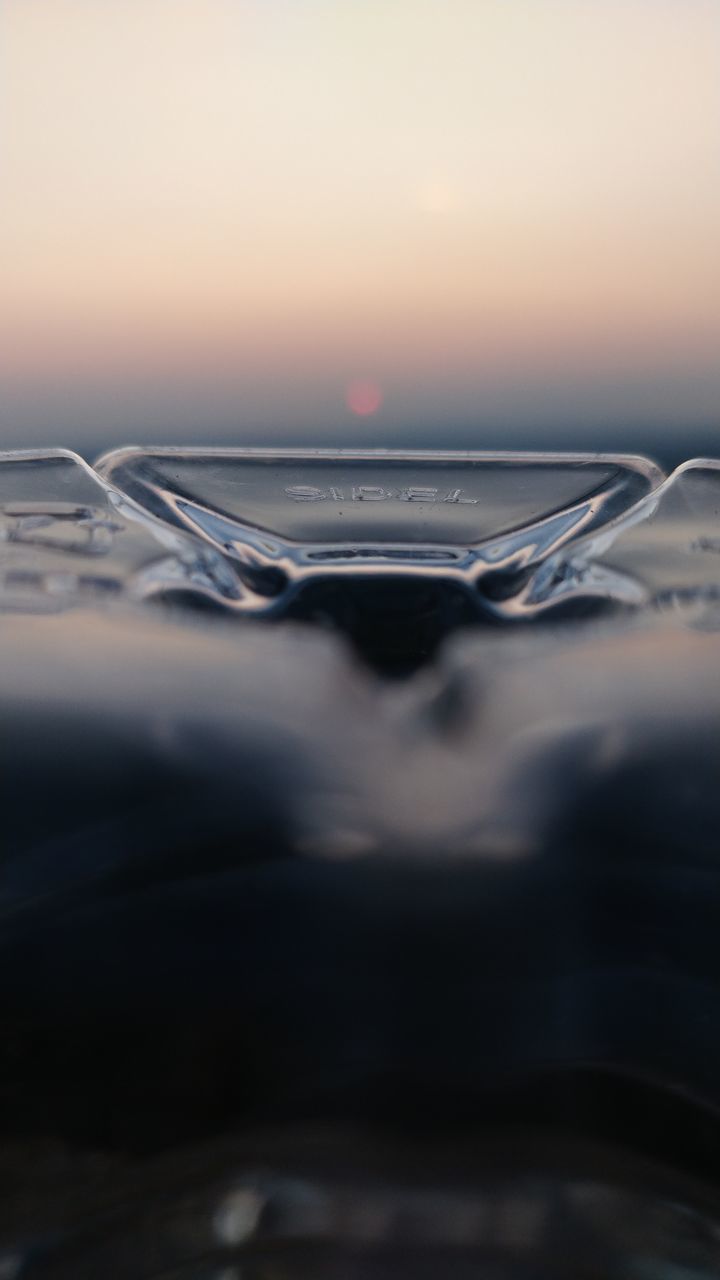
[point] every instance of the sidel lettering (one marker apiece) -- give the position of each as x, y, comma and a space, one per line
376, 493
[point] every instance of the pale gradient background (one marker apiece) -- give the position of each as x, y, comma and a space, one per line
216, 215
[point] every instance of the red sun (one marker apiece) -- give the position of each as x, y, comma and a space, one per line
363, 397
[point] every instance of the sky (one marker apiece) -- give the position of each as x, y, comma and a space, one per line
475, 222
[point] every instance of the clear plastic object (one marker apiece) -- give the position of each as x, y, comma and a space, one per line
67, 539
662, 553
285, 518
250, 530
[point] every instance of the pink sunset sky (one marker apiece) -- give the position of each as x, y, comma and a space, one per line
222, 216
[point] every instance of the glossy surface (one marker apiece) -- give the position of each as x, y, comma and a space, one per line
664, 553
375, 496
250, 530
67, 539
246, 884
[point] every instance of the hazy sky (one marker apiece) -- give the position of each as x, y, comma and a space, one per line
220, 214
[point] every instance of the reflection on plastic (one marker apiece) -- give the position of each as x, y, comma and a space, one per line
250, 529
662, 553
242, 863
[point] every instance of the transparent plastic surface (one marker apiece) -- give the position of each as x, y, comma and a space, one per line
520, 535
243, 880
344, 499
67, 538
287, 518
239, 873
662, 553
